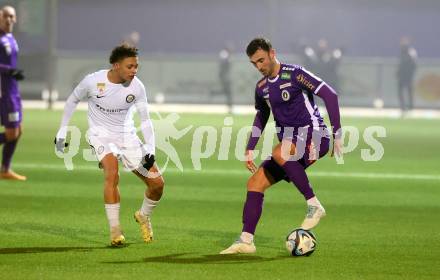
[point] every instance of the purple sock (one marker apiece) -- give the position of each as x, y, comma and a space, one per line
297, 174
8, 151
2, 138
252, 211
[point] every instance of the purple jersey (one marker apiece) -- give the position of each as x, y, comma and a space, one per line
10, 102
8, 61
290, 97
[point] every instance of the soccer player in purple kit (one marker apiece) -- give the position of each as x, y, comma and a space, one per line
288, 91
10, 101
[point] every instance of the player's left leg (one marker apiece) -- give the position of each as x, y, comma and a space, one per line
153, 193
410, 95
295, 171
10, 138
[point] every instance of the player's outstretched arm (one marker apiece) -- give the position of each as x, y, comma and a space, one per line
330, 99
147, 128
69, 108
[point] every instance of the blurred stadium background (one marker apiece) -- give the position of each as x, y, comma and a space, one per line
62, 40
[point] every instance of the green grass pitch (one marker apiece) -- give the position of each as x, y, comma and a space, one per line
383, 217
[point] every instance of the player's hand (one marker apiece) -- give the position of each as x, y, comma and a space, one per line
250, 165
148, 161
337, 147
17, 74
60, 144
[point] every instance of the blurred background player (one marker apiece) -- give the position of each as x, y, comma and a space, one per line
323, 61
224, 76
10, 101
288, 91
405, 73
112, 95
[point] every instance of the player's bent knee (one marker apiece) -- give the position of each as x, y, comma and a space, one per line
155, 189
283, 151
12, 135
276, 155
255, 184
158, 185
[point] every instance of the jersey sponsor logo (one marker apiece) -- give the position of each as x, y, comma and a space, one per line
312, 75
130, 98
283, 86
304, 81
288, 68
14, 117
110, 110
285, 76
262, 83
285, 95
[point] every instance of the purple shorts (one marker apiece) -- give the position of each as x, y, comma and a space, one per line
318, 138
10, 111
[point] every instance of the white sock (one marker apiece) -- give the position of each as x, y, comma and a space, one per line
313, 201
112, 211
148, 206
247, 237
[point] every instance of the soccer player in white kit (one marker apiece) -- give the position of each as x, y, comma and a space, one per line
112, 96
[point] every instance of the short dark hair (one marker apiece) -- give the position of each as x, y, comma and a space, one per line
258, 43
122, 51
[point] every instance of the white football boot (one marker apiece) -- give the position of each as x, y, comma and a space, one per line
314, 214
117, 237
240, 247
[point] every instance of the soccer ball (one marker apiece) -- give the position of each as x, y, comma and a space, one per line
301, 242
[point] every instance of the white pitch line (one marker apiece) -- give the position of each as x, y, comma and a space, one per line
213, 171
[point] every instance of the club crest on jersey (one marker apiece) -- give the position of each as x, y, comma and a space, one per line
285, 95
130, 98
101, 87
100, 150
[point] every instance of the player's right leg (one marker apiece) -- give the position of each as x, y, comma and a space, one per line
109, 165
10, 139
253, 207
295, 171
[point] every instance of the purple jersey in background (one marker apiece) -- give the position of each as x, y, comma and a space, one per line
10, 101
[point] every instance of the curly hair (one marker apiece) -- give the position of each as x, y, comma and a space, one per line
122, 51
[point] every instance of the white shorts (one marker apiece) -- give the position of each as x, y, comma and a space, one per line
126, 148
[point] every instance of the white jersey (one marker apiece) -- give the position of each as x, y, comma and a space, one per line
111, 107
